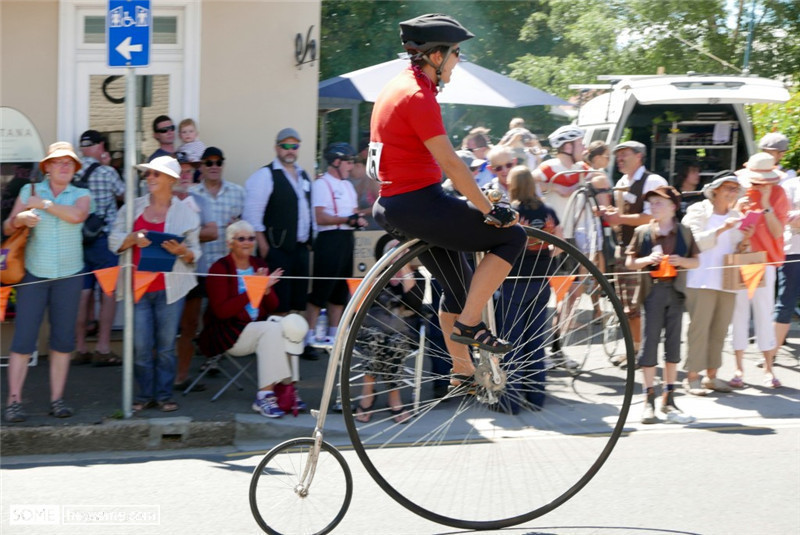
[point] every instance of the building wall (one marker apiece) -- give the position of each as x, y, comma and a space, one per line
29, 61
250, 87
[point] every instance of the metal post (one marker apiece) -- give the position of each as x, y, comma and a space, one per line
127, 256
750, 30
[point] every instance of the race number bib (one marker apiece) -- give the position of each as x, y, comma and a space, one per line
374, 159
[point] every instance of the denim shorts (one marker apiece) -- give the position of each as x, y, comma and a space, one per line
61, 297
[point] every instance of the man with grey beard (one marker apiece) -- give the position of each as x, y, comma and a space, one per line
278, 206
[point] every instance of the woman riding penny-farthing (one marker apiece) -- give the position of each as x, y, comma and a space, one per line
460, 459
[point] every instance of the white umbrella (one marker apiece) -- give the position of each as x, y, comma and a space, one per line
470, 84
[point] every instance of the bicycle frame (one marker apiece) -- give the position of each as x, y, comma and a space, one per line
336, 356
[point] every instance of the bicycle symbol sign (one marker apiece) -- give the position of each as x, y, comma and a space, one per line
128, 33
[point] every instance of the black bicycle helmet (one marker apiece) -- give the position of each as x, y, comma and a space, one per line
425, 32
337, 151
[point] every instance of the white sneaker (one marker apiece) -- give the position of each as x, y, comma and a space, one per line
568, 364
676, 416
267, 407
549, 363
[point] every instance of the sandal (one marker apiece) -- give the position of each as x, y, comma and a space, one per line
461, 384
363, 413
139, 406
400, 415
81, 357
736, 382
772, 382
167, 406
481, 337
101, 360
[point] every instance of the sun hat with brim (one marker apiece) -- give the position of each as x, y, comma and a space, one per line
666, 192
163, 164
718, 180
57, 150
760, 169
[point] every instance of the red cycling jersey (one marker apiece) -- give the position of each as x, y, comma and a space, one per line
405, 115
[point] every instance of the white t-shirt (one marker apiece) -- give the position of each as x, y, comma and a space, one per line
708, 274
337, 197
653, 181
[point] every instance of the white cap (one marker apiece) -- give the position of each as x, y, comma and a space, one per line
295, 328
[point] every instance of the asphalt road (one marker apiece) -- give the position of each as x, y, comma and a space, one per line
741, 478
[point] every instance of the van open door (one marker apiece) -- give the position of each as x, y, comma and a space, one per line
681, 119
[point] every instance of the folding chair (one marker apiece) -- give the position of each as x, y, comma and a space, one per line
235, 371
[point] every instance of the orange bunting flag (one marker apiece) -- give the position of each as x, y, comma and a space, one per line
4, 292
256, 286
665, 269
107, 278
141, 282
560, 285
751, 277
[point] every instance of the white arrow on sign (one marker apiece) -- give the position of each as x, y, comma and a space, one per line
125, 48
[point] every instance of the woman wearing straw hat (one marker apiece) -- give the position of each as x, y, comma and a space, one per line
54, 210
769, 201
158, 312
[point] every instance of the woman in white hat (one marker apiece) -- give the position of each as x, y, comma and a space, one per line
768, 200
54, 210
715, 225
158, 312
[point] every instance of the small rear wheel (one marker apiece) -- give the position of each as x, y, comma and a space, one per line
285, 500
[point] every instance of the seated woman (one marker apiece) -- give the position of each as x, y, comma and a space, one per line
231, 324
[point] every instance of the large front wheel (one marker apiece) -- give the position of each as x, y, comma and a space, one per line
521, 442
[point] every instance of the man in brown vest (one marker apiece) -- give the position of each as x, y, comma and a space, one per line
631, 211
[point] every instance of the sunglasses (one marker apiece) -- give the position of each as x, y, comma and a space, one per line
212, 163
88, 143
498, 168
242, 239
457, 52
148, 174
289, 146
166, 129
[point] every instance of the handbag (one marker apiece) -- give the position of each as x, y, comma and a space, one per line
12, 253
732, 276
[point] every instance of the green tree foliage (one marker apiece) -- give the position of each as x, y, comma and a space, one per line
357, 34
551, 44
783, 118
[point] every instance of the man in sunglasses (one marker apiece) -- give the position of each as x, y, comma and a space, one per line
164, 134
278, 206
225, 199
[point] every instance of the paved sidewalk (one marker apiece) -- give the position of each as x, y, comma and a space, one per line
96, 395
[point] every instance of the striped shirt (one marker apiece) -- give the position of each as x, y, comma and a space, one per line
105, 185
181, 220
55, 247
226, 206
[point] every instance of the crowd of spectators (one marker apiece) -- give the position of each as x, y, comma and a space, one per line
218, 233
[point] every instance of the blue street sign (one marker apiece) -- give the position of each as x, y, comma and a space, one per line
129, 30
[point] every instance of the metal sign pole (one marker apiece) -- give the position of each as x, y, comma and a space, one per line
127, 256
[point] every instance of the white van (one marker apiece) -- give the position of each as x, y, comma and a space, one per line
681, 119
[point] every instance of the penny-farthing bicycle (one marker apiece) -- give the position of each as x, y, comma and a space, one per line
512, 446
